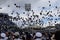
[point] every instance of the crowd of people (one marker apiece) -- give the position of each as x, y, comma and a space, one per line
30, 36
31, 20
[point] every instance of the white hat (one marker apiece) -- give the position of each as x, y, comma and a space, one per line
3, 35
38, 34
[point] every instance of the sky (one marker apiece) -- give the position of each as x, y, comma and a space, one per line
36, 5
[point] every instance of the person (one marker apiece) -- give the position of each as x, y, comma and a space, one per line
28, 36
23, 36
43, 36
53, 37
38, 36
3, 36
33, 36
47, 36
57, 35
16, 34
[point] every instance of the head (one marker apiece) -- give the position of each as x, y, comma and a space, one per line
3, 35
